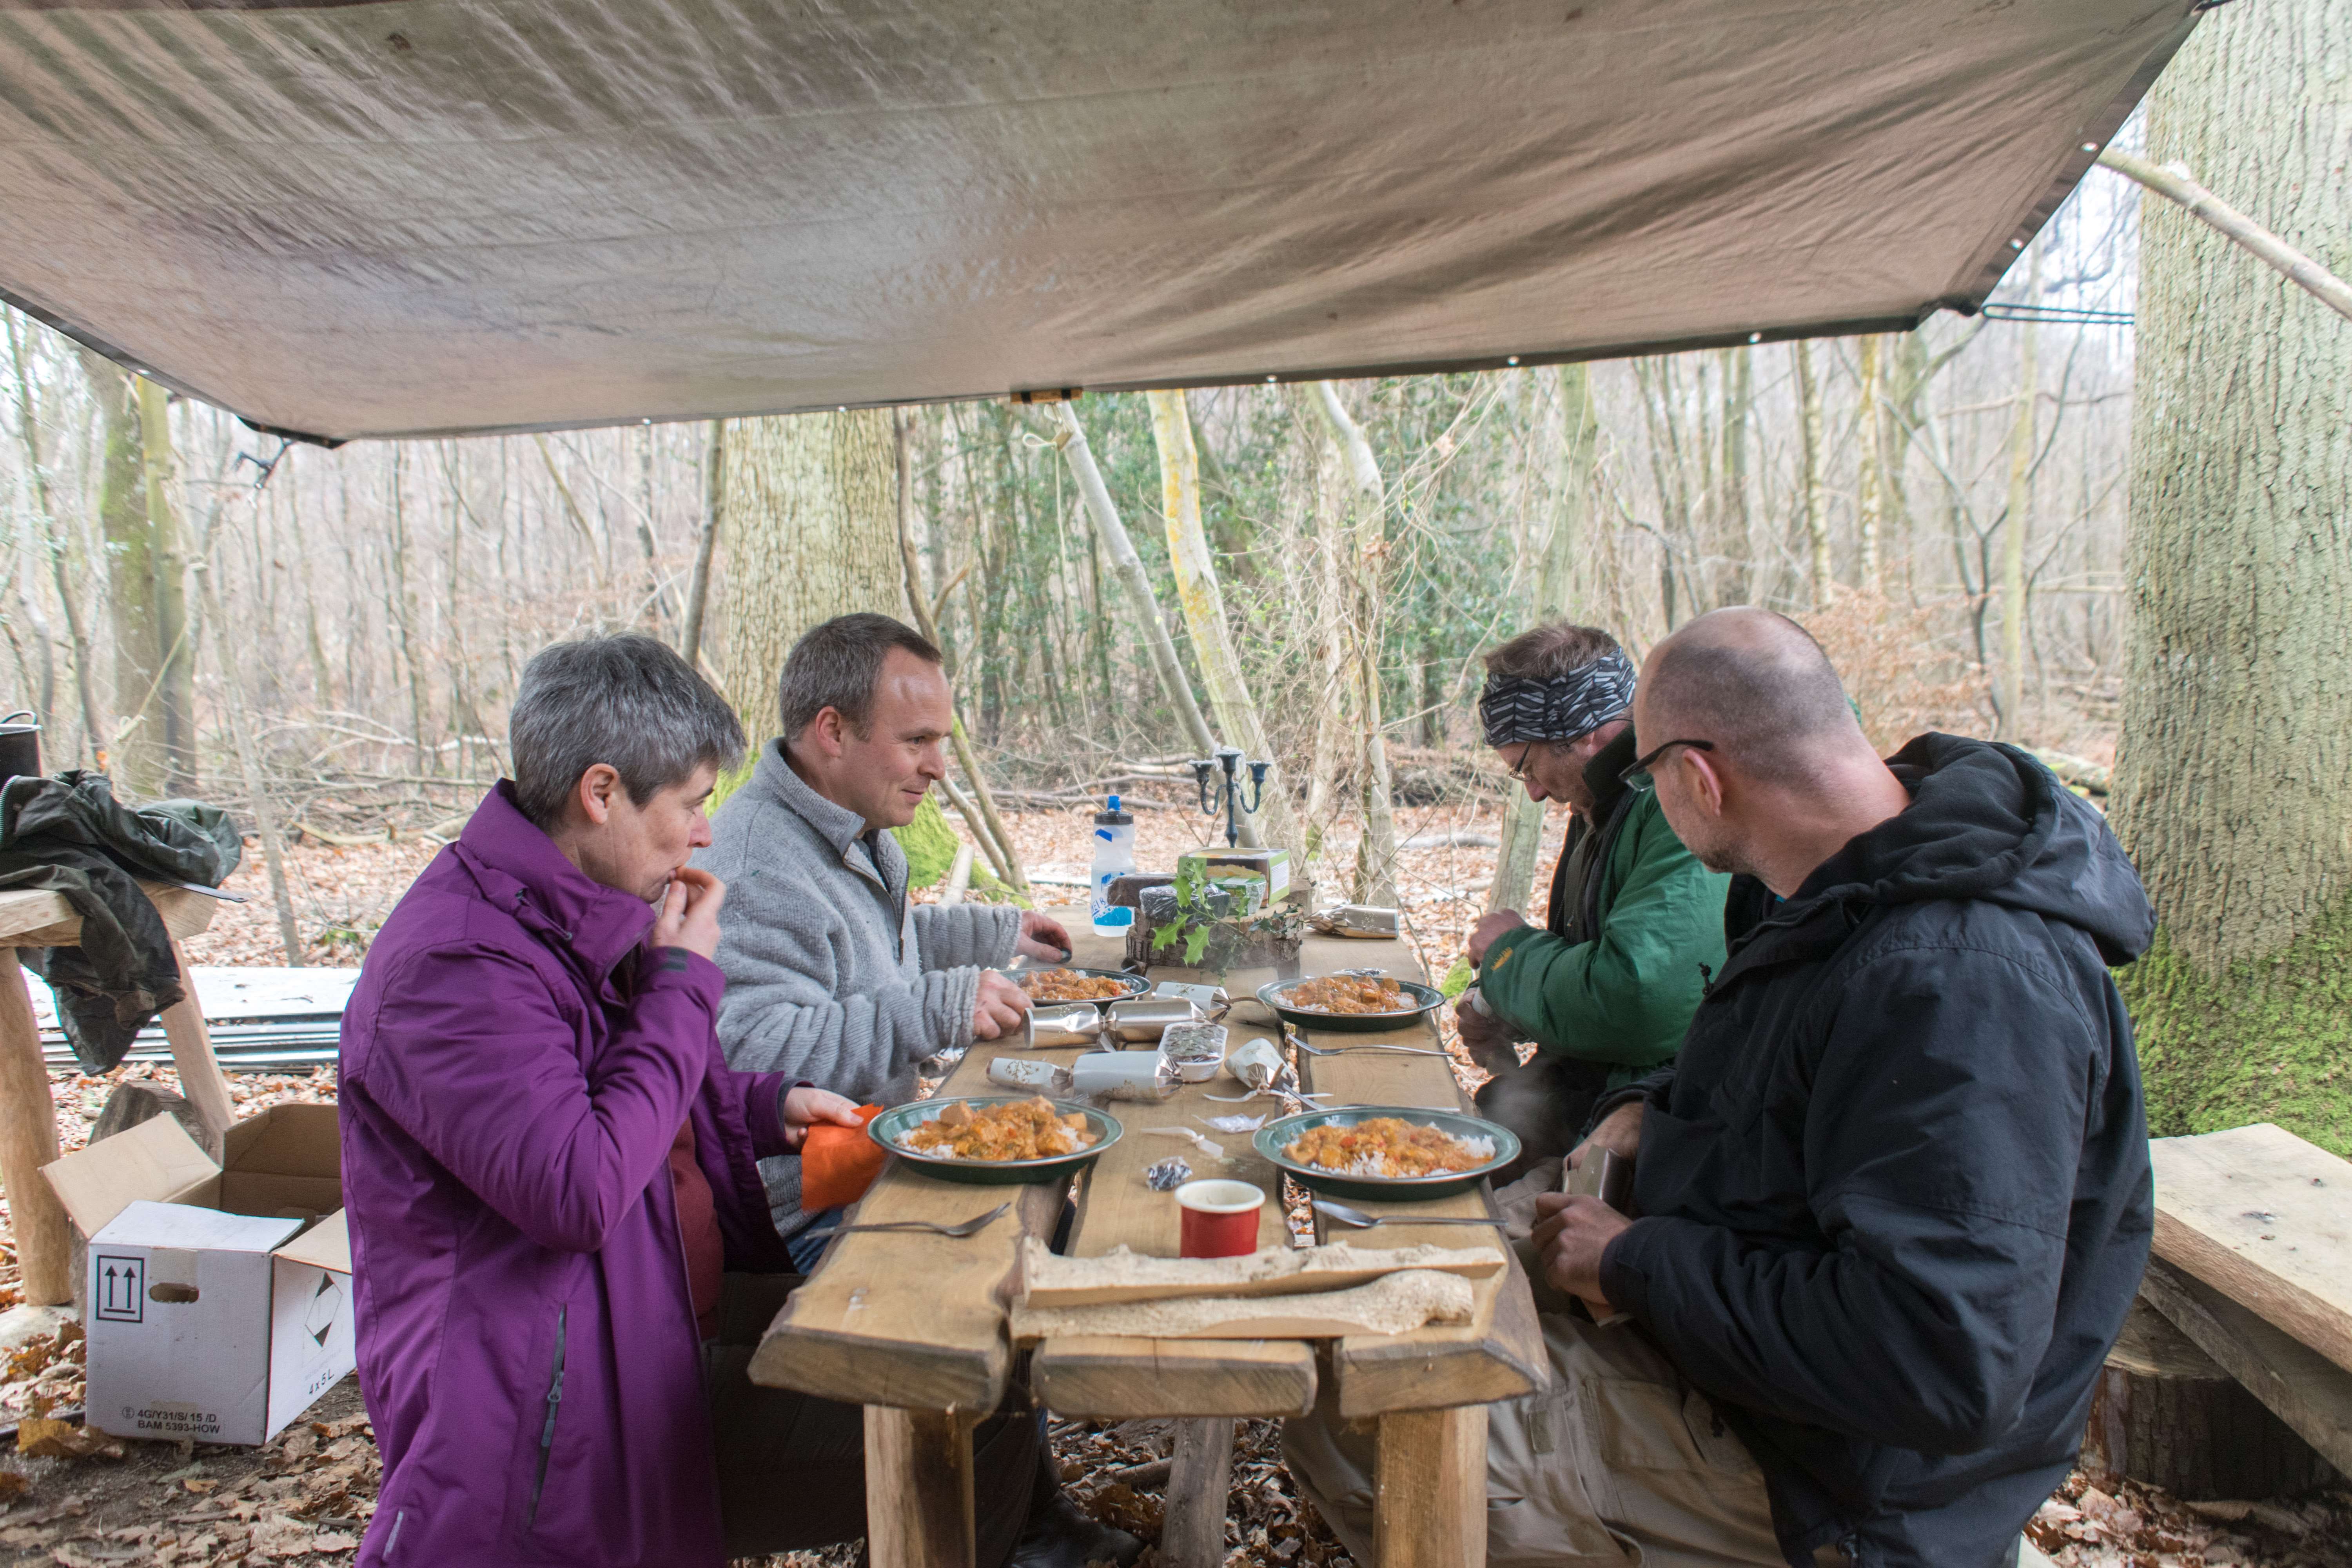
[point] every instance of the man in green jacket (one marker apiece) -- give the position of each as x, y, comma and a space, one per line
1633, 926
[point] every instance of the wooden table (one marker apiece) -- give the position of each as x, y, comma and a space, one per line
913, 1327
28, 1124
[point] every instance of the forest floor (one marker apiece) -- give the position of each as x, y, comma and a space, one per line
304, 1496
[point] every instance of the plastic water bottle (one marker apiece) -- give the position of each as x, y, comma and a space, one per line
1114, 859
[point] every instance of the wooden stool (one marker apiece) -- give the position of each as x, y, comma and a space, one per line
28, 1124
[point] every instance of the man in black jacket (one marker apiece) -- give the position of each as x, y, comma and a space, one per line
1895, 1189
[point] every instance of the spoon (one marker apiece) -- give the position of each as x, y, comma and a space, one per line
1346, 1214
969, 1227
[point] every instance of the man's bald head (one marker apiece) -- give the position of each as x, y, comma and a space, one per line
1753, 682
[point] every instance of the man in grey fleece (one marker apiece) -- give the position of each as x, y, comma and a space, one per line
832, 974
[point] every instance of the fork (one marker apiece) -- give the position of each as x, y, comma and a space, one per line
1300, 1041
968, 1227
1347, 1214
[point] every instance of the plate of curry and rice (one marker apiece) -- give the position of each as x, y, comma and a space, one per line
995, 1140
1387, 1153
1351, 1000
1055, 986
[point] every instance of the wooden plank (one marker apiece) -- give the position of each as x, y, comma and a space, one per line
918, 1501
2302, 1387
1194, 1535
31, 918
914, 1320
1500, 1355
908, 1320
191, 1052
28, 1141
1126, 1378
1391, 1305
1280, 1270
1429, 1496
2266, 1219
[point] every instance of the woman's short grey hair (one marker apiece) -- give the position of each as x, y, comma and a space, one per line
837, 664
629, 702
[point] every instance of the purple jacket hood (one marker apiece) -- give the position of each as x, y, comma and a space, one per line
514, 1069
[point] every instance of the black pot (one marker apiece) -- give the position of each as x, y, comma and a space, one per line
20, 747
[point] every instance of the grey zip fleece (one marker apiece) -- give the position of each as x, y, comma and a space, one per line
831, 975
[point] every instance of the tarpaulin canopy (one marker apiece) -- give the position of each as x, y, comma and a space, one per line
386, 218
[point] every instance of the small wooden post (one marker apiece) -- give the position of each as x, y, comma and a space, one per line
191, 1052
1429, 1499
28, 1141
919, 1503
1194, 1535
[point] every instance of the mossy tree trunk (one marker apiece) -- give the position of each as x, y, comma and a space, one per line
812, 510
2233, 783
136, 760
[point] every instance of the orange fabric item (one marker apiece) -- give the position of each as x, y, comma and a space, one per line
838, 1163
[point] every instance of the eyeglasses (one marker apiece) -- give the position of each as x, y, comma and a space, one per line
1638, 776
1519, 768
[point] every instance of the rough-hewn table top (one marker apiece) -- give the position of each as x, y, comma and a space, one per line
919, 1322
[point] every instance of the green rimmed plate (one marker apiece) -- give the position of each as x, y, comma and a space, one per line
1427, 999
1272, 1138
896, 1122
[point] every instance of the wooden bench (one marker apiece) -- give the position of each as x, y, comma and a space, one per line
2253, 1263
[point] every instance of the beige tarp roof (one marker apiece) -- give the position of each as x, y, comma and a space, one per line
429, 216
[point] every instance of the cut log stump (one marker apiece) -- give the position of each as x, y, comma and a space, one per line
2166, 1414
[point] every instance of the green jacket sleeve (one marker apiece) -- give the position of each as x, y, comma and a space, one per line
1626, 996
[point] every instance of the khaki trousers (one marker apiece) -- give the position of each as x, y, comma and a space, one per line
1620, 1462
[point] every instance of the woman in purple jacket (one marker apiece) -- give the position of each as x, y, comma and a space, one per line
550, 1169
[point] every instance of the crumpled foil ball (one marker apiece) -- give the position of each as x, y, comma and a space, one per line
1167, 1175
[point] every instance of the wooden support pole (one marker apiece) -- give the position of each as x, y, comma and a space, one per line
28, 1141
191, 1052
1429, 1501
919, 1503
1194, 1535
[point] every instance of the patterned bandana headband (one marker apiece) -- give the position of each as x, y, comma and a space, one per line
1516, 710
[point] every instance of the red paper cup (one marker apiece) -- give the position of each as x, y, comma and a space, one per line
1220, 1218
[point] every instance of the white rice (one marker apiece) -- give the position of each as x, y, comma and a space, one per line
1480, 1149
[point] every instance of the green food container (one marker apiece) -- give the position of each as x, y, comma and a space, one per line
1274, 1135
893, 1123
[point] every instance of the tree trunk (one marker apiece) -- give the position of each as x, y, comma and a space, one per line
176, 689
1815, 487
1205, 618
1366, 545
1872, 510
63, 571
2009, 685
1128, 566
714, 494
812, 515
137, 760
1558, 592
2231, 787
987, 828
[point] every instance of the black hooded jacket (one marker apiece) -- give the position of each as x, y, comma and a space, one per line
1896, 1187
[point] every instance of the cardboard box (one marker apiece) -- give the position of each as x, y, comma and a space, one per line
219, 1295
1271, 866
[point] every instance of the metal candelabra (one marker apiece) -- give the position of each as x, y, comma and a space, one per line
1230, 807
